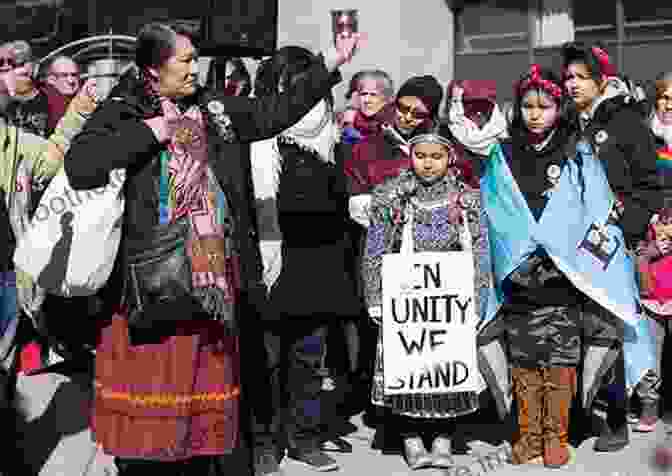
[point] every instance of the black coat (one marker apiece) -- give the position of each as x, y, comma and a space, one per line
629, 156
312, 210
116, 137
7, 239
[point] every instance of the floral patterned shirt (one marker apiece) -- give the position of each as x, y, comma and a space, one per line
438, 209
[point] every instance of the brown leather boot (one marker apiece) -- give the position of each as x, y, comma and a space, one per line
528, 388
559, 389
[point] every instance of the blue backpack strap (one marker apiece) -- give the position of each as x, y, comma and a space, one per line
507, 148
164, 189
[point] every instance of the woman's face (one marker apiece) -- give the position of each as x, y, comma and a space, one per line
540, 112
179, 74
664, 106
410, 114
430, 161
370, 96
581, 86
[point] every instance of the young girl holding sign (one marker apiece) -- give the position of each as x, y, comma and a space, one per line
435, 212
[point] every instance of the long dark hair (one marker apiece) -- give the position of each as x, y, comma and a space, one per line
581, 53
155, 44
240, 74
281, 69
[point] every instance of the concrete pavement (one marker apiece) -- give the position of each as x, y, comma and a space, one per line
56, 442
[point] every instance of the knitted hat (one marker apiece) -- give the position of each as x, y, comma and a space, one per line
475, 89
427, 89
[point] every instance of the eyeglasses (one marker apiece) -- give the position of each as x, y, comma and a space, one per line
667, 99
415, 114
66, 75
11, 62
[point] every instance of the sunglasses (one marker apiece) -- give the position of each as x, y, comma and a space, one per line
415, 114
66, 75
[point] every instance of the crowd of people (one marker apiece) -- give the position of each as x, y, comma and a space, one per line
247, 301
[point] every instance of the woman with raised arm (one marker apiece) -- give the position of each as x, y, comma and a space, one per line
167, 387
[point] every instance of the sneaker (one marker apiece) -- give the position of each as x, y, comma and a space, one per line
328, 384
646, 425
316, 459
442, 453
266, 464
612, 439
336, 444
416, 454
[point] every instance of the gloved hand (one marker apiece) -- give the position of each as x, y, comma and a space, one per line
359, 209
29, 297
376, 314
350, 135
9, 79
164, 126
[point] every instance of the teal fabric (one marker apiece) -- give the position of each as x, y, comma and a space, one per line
581, 202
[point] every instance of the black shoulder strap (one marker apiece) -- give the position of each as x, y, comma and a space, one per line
6, 236
507, 148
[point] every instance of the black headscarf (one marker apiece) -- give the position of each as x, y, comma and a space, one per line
427, 89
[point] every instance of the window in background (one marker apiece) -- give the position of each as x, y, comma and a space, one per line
486, 26
648, 20
594, 24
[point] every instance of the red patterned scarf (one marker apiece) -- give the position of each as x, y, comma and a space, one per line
194, 191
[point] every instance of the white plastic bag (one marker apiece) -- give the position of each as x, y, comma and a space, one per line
73, 239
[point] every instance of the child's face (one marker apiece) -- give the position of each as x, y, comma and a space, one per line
663, 231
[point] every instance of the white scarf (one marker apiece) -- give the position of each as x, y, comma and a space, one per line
465, 131
660, 130
316, 132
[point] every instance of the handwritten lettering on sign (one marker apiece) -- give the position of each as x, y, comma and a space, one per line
429, 323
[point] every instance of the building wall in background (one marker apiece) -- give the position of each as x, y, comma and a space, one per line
406, 38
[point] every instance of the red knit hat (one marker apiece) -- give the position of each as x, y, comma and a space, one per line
475, 89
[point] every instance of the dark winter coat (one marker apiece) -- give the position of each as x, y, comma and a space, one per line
116, 137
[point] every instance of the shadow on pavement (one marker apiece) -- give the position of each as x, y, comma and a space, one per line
64, 416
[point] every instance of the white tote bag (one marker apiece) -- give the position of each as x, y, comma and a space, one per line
73, 238
429, 319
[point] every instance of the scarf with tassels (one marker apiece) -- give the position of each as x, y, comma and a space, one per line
189, 188
316, 132
466, 132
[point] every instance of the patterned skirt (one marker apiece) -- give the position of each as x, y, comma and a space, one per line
419, 405
167, 401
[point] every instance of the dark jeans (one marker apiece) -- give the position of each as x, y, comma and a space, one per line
295, 357
614, 390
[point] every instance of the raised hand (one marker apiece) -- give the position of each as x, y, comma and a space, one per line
164, 126
86, 100
344, 50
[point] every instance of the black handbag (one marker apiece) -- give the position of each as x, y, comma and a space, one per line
158, 282
158, 275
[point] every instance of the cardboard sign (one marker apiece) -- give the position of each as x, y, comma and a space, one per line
429, 323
